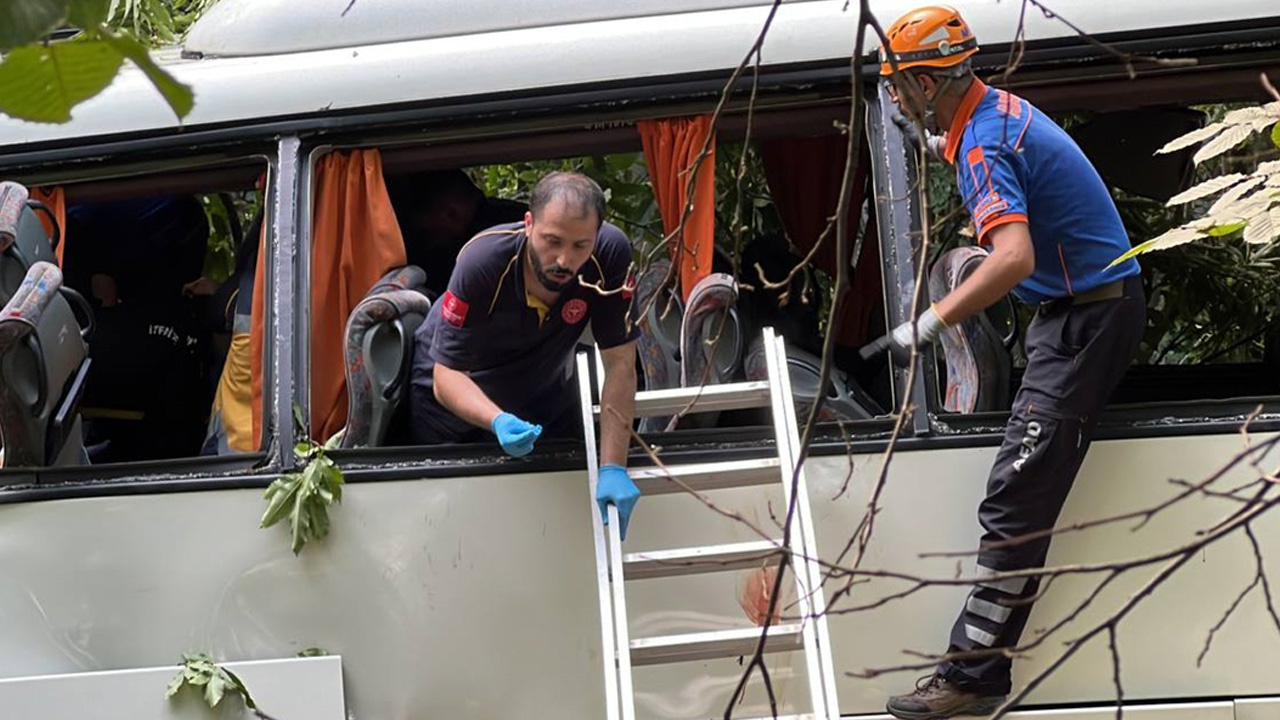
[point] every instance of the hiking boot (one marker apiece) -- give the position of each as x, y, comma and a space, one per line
936, 697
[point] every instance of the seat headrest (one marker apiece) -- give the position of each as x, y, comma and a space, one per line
33, 296
13, 200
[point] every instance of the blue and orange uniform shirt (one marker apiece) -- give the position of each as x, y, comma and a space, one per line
1014, 164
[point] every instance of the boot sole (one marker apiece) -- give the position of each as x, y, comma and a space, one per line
979, 708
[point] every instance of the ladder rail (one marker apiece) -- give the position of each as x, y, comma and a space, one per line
783, 430
607, 620
622, 634
808, 557
613, 536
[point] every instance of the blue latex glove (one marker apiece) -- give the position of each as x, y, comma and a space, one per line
616, 488
515, 435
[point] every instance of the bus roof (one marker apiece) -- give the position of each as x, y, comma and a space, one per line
258, 60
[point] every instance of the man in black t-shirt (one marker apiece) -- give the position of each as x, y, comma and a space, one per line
495, 353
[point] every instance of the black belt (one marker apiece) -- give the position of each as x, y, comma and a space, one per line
1106, 291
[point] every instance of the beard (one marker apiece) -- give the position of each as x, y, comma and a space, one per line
548, 276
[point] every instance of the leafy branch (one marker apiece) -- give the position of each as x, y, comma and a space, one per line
1248, 203
200, 672
43, 80
305, 496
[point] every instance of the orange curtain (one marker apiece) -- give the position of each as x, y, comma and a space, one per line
257, 335
56, 200
805, 176
670, 147
355, 240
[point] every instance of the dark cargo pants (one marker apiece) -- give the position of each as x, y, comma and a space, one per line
1076, 354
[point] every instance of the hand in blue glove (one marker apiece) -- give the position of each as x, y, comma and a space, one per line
515, 435
615, 487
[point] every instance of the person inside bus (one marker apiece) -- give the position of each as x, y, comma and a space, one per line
131, 259
1054, 232
438, 212
495, 354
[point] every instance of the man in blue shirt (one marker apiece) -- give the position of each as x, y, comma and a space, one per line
495, 352
1053, 231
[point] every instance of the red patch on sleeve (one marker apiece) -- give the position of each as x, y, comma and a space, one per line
573, 311
454, 310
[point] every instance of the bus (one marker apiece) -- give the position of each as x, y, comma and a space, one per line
458, 582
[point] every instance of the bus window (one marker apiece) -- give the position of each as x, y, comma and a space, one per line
169, 277
789, 189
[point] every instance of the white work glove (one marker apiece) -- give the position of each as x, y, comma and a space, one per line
925, 329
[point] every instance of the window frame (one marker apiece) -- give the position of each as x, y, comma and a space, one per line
148, 166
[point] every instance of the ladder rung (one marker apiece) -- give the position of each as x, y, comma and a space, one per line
706, 476
694, 560
715, 644
707, 398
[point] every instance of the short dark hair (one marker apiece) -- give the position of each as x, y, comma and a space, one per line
578, 191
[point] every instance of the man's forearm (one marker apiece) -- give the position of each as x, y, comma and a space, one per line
1011, 261
618, 394
460, 395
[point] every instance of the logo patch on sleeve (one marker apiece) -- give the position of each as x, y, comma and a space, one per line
453, 309
573, 311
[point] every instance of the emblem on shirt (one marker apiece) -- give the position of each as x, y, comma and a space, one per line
453, 310
574, 310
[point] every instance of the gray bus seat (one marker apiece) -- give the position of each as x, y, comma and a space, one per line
22, 238
710, 339
43, 364
846, 400
978, 359
379, 353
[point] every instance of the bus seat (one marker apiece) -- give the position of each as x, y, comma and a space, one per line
845, 397
22, 237
979, 363
658, 347
43, 364
379, 353
710, 339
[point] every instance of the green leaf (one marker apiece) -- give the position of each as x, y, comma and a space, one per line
279, 504
87, 14
214, 690
42, 83
1133, 252
1275, 134
179, 96
27, 21
1225, 230
175, 685
299, 523
244, 691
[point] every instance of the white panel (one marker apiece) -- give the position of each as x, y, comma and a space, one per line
930, 504
308, 688
475, 596
1258, 709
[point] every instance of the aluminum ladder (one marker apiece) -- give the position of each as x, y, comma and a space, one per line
614, 568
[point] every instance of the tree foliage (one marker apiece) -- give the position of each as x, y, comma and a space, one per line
43, 80
200, 672
1246, 204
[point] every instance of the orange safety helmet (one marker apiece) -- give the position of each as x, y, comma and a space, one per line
934, 36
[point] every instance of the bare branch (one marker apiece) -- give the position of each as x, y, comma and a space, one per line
1115, 665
